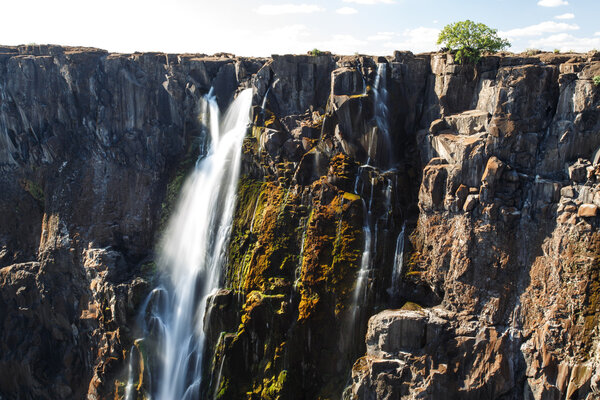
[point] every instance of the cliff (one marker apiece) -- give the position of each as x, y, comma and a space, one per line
493, 170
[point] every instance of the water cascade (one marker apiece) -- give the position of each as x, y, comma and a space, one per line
398, 263
193, 253
380, 96
381, 113
365, 261
129, 385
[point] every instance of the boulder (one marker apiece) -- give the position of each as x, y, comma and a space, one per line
567, 192
578, 170
470, 202
465, 152
587, 210
468, 122
393, 331
491, 177
273, 140
461, 195
433, 187
438, 126
347, 81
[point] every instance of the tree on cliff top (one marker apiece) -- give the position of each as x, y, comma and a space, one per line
468, 40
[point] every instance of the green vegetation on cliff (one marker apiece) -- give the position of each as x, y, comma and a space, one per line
469, 39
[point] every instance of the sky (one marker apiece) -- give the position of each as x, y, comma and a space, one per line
262, 28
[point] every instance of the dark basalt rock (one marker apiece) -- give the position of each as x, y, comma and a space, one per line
493, 168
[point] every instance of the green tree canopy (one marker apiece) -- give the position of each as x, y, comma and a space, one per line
469, 39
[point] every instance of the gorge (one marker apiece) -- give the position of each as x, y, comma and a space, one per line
393, 227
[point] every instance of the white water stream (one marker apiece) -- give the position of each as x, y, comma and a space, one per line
193, 252
398, 262
381, 114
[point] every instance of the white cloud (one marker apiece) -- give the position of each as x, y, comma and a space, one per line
566, 42
370, 2
341, 44
381, 37
282, 40
552, 3
418, 40
279, 9
540, 29
346, 10
299, 38
597, 34
565, 16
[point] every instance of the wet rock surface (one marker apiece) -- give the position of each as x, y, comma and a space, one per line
493, 169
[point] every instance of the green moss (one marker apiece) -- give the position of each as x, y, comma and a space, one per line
275, 386
410, 306
273, 221
333, 246
265, 242
223, 392
35, 190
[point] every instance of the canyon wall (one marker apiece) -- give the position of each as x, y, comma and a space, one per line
493, 170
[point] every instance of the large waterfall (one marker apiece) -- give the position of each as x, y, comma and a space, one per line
193, 253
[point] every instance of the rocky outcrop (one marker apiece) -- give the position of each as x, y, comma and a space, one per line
492, 168
507, 238
94, 148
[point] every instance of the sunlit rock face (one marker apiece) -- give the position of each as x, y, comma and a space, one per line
492, 169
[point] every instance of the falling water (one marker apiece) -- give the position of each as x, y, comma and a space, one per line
380, 99
380, 95
370, 232
129, 386
398, 261
193, 253
365, 261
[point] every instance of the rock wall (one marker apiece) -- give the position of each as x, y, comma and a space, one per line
493, 169
94, 148
507, 239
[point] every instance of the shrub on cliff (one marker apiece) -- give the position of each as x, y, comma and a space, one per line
468, 40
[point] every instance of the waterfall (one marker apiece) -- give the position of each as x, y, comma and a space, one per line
365, 261
193, 253
129, 386
380, 96
380, 99
398, 261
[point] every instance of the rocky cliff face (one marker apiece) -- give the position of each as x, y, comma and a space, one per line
94, 147
493, 169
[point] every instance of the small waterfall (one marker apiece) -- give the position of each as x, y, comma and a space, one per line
193, 253
380, 98
263, 104
398, 263
129, 386
365, 261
